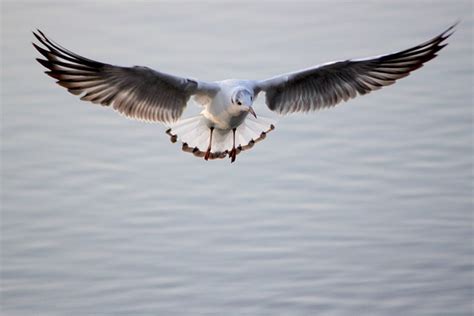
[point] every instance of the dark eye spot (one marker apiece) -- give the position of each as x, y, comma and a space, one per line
239, 103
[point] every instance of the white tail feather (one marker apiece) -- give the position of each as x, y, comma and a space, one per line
194, 133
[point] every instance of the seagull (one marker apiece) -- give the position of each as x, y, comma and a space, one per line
224, 127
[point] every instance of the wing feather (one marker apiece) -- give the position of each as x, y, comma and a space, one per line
329, 84
137, 92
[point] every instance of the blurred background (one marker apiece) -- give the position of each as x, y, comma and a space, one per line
362, 209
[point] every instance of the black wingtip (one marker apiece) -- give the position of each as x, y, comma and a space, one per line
42, 34
450, 30
37, 33
456, 23
37, 36
45, 63
36, 46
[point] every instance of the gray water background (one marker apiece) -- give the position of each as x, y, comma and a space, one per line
362, 209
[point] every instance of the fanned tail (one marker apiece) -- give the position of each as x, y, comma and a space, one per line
194, 134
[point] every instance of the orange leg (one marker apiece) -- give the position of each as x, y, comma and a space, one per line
208, 152
233, 152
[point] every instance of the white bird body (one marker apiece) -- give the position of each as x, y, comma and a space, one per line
221, 112
224, 127
226, 114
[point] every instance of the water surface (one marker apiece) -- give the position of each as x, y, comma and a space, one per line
363, 209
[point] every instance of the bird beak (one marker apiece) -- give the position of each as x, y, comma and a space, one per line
252, 111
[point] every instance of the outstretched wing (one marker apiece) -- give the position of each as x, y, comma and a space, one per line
137, 92
328, 84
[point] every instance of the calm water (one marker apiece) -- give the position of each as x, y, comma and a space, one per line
362, 209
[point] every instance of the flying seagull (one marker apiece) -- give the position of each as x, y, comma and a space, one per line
224, 128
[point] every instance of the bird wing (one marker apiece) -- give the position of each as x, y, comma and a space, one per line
328, 84
137, 92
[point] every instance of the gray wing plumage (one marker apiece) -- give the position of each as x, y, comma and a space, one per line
328, 84
137, 92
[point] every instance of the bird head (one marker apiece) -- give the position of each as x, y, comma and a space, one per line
244, 99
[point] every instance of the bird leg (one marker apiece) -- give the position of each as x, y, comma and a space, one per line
233, 152
208, 152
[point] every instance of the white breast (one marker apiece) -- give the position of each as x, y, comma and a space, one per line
221, 112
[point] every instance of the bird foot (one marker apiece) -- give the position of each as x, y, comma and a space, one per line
208, 154
232, 154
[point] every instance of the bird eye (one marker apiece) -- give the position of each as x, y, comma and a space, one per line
239, 103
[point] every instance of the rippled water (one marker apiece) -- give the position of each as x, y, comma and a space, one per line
363, 209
